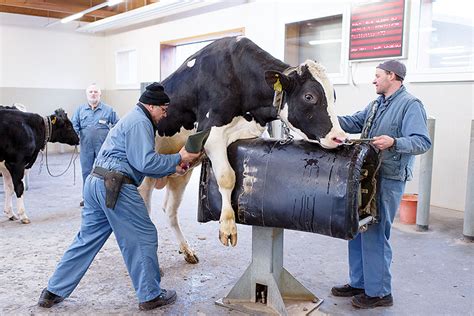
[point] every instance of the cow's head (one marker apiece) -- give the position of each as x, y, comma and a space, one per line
308, 103
61, 129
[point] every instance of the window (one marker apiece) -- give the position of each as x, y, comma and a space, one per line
320, 40
174, 53
183, 51
445, 42
126, 68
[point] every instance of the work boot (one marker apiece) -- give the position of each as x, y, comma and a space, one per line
166, 297
48, 299
346, 291
365, 301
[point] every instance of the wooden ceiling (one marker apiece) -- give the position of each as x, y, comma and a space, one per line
60, 9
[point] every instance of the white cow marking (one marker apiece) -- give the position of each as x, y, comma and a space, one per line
191, 63
9, 192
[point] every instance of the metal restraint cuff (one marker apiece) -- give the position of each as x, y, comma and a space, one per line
100, 172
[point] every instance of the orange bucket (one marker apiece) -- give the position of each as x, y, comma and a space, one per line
408, 208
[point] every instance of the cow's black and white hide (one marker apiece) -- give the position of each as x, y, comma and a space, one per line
228, 87
8, 184
23, 136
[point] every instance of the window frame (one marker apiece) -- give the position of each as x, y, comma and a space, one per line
417, 74
339, 77
134, 84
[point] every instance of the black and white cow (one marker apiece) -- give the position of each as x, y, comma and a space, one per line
229, 87
8, 185
23, 136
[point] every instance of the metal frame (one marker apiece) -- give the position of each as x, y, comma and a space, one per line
285, 295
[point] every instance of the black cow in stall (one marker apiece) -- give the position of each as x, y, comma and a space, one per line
23, 136
8, 184
229, 87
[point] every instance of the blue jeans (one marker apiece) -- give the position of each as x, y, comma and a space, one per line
135, 233
370, 253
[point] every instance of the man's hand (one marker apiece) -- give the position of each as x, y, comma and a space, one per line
383, 142
180, 171
188, 158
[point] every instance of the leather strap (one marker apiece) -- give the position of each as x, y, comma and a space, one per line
100, 172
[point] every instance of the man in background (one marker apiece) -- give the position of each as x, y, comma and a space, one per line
92, 122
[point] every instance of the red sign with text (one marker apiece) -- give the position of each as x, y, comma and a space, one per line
377, 29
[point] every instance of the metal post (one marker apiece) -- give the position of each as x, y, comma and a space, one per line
266, 287
424, 186
468, 230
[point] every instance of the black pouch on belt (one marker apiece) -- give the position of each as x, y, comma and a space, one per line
113, 183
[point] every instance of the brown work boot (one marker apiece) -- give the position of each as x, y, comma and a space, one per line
365, 301
166, 297
48, 299
346, 291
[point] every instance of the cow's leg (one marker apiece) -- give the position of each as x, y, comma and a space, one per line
146, 191
20, 206
174, 194
8, 187
225, 177
17, 172
216, 150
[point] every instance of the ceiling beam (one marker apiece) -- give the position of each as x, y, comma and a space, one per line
47, 14
54, 7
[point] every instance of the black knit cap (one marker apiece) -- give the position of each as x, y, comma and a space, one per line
154, 95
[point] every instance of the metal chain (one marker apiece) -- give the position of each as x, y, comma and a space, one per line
287, 137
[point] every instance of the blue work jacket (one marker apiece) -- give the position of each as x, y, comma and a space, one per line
401, 116
130, 149
102, 117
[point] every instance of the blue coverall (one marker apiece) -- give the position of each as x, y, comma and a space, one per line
128, 148
401, 116
92, 127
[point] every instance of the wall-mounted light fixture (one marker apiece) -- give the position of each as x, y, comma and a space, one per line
94, 8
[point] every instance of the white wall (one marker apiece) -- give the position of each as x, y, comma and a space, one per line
451, 103
45, 69
41, 58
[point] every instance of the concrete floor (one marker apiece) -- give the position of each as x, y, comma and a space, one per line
433, 272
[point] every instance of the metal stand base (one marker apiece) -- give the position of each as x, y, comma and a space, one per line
422, 228
468, 238
266, 287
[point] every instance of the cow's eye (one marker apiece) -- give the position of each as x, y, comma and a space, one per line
308, 97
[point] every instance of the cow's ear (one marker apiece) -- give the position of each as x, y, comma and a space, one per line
277, 81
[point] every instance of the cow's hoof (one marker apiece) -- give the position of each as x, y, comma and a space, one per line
25, 221
191, 258
188, 253
228, 239
13, 218
233, 240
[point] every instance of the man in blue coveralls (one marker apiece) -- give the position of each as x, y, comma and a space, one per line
127, 156
396, 123
92, 121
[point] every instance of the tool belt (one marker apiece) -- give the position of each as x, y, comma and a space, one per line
113, 181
